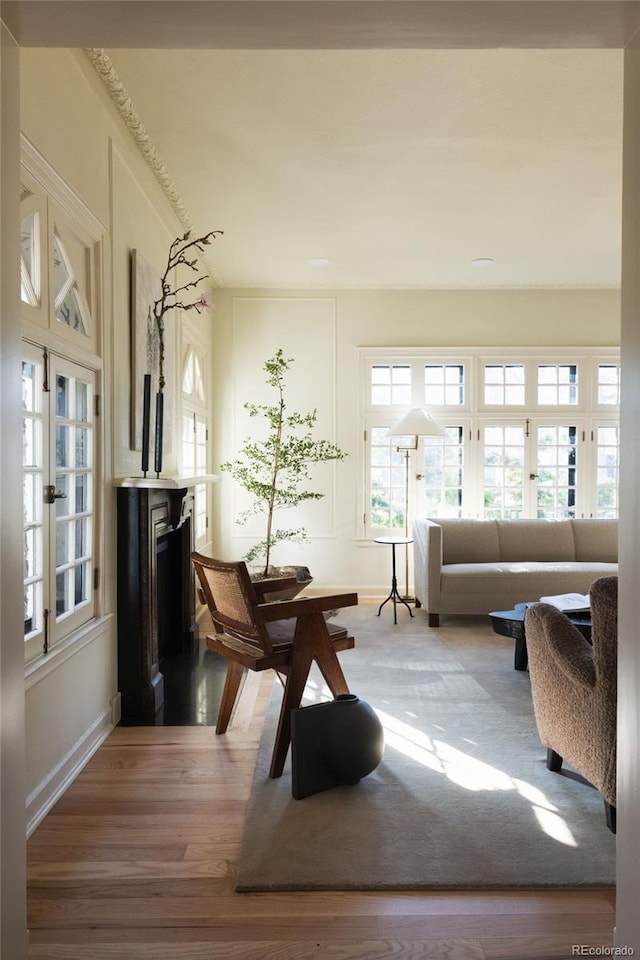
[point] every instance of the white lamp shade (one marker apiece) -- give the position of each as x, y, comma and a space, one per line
417, 423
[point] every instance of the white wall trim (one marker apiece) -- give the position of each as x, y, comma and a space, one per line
58, 190
48, 792
67, 648
118, 94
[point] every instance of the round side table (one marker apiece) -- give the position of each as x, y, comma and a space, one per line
394, 596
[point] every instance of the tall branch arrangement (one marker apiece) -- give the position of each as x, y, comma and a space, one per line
273, 470
180, 253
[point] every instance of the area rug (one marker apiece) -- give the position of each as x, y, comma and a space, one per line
462, 798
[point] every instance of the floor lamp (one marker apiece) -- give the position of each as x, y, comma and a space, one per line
415, 424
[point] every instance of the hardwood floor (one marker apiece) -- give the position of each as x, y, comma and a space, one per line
137, 861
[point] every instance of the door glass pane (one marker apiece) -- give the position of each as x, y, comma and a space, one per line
443, 472
62, 397
32, 505
81, 584
82, 401
69, 312
82, 493
62, 446
62, 593
504, 462
74, 527
82, 447
387, 481
608, 470
557, 471
62, 543
62, 495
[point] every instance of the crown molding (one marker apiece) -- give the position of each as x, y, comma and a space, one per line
118, 94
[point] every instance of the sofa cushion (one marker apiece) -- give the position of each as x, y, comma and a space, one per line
541, 540
596, 540
469, 541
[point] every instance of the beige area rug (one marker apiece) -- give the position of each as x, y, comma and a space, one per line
462, 798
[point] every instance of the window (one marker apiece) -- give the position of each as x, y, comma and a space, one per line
444, 385
504, 384
391, 385
527, 435
58, 498
195, 436
59, 264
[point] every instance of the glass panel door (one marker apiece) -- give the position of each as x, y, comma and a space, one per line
34, 438
556, 471
504, 458
71, 496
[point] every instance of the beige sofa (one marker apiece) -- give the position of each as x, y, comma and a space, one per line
476, 566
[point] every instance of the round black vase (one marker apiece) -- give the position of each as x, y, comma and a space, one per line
353, 738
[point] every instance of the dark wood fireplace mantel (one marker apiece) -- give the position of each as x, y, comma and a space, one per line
156, 612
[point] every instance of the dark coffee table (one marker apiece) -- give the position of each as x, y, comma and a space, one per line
510, 623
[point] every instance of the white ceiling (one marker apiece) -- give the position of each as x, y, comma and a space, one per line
399, 139
400, 166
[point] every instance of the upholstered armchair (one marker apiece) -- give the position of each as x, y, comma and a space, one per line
574, 688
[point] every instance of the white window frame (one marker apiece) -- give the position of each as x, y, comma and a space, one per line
475, 414
195, 411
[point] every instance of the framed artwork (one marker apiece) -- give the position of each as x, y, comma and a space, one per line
145, 290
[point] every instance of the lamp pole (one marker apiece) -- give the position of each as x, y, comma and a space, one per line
414, 424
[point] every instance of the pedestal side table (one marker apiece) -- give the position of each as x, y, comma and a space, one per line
394, 596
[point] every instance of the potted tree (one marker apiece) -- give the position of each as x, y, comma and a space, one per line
275, 471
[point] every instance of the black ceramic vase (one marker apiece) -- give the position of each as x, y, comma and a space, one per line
334, 743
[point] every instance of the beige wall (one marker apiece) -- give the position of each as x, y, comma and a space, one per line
12, 788
628, 851
67, 116
328, 354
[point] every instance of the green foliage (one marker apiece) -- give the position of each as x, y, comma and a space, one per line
274, 471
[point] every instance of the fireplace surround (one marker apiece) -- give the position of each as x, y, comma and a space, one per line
156, 609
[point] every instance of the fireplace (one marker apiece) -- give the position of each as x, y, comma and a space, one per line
156, 611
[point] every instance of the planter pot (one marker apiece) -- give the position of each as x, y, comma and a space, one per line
301, 574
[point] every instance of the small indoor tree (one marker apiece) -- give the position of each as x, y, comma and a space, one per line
274, 471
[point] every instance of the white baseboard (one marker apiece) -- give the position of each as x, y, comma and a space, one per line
41, 800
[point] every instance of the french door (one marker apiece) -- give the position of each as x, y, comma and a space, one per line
59, 451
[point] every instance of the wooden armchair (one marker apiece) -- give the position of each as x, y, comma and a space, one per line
285, 636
